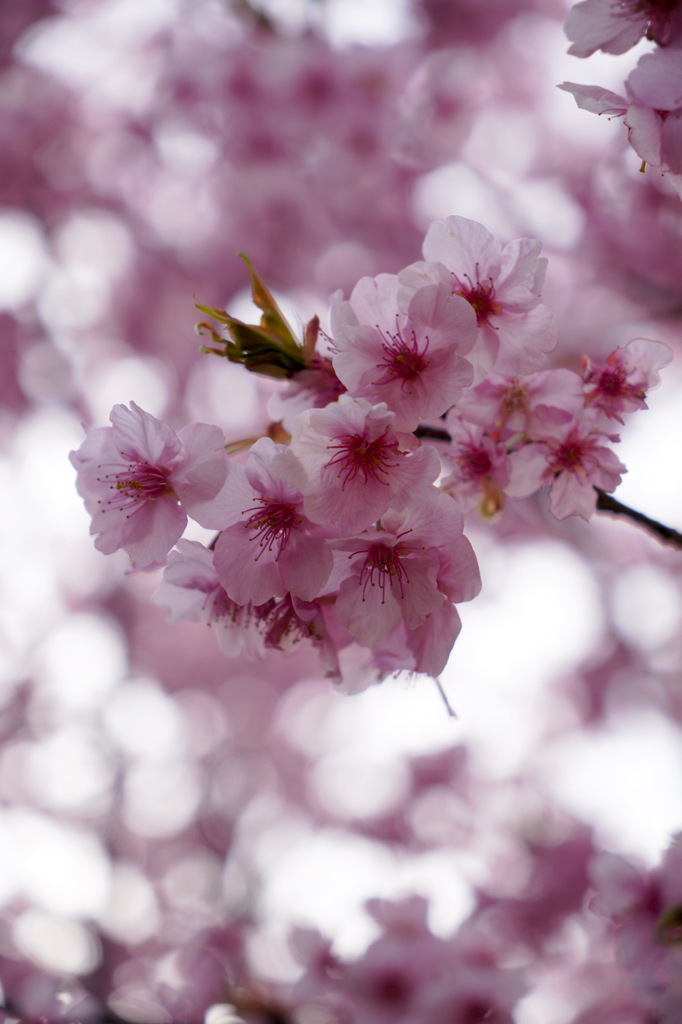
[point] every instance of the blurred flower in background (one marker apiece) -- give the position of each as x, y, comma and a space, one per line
185, 837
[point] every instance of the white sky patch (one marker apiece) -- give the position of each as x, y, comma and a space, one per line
647, 606
539, 613
102, 52
359, 786
23, 258
66, 947
81, 661
161, 798
68, 772
95, 238
140, 379
61, 869
366, 22
626, 780
322, 879
653, 483
144, 722
131, 913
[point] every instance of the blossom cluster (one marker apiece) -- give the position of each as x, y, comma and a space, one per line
652, 105
193, 839
430, 397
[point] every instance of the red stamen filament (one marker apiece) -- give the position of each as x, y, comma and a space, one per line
272, 524
402, 358
133, 486
383, 567
355, 454
480, 296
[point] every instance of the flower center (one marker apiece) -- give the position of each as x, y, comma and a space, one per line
513, 398
282, 626
570, 455
473, 461
132, 486
383, 567
272, 523
481, 296
402, 358
356, 454
613, 381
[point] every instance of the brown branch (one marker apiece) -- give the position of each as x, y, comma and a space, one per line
607, 503
432, 434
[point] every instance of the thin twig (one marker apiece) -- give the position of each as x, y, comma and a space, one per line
444, 698
666, 534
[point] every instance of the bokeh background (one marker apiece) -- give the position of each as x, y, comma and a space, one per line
167, 816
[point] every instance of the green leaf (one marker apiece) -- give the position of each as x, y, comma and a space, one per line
269, 348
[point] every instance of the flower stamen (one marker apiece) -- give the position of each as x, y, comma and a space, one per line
272, 524
356, 454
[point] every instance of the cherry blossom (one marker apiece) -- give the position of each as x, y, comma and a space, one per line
573, 458
139, 479
503, 286
480, 468
267, 547
620, 385
509, 405
651, 109
412, 361
615, 27
350, 466
190, 589
391, 574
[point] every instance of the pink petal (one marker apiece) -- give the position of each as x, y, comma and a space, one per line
247, 571
138, 433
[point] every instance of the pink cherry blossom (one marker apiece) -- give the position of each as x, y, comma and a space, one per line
139, 480
651, 110
350, 466
190, 589
431, 643
596, 99
503, 286
390, 574
413, 361
620, 385
654, 118
267, 546
314, 388
509, 405
427, 647
480, 467
573, 459
615, 27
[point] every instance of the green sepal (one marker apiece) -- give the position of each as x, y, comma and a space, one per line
669, 926
269, 348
